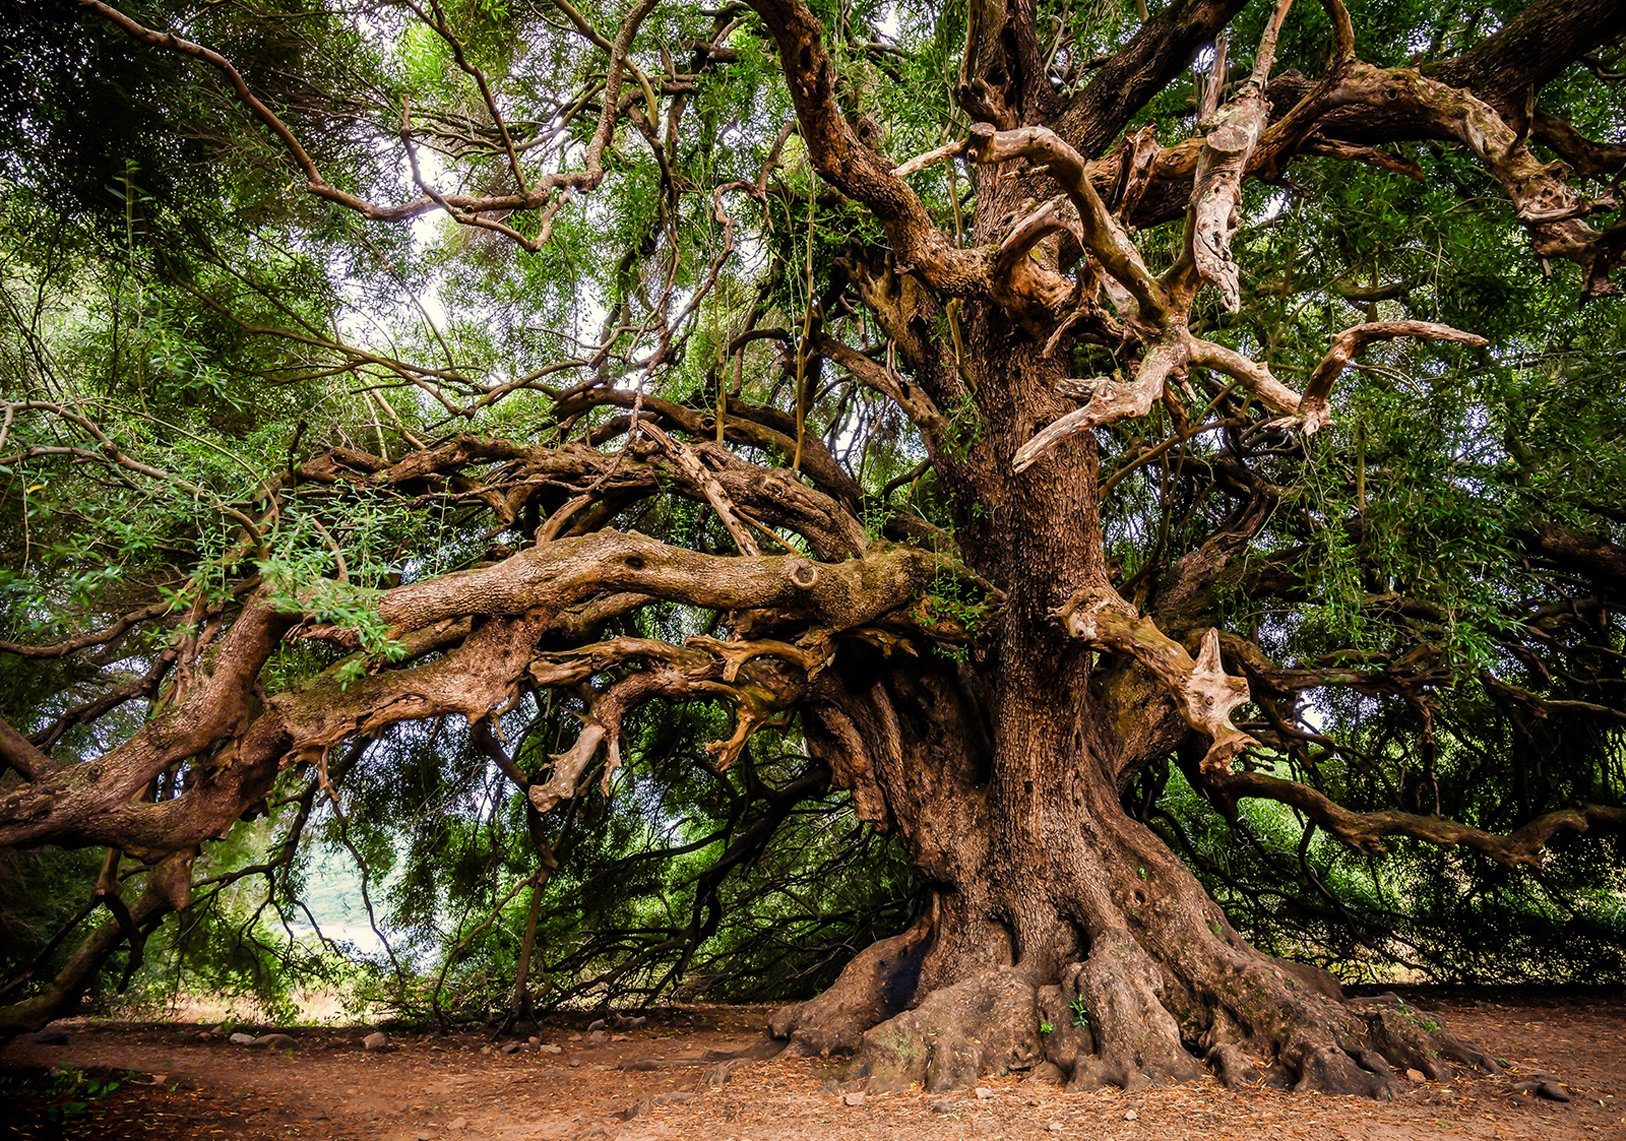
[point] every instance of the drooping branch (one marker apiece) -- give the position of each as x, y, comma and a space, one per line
167, 889
1366, 831
115, 630
107, 451
1589, 158
690, 464
702, 668
911, 398
541, 190
1206, 695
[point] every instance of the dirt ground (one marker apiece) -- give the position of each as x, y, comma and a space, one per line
665, 1081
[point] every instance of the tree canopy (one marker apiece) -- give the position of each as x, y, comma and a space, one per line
632, 482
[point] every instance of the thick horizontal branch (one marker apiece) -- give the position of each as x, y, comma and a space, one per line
557, 574
1367, 830
513, 603
1597, 556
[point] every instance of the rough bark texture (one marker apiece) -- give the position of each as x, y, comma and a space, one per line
1052, 907
1062, 931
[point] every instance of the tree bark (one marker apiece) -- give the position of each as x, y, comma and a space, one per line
1062, 932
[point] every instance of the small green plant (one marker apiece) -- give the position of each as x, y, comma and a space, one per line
1417, 1018
1081, 1013
1045, 1027
957, 603
873, 514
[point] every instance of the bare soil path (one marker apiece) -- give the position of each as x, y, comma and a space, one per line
665, 1081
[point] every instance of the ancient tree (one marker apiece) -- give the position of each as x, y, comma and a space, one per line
885, 350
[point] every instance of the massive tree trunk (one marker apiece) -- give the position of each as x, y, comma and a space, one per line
1062, 933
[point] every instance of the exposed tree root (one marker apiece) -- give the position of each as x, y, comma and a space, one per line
1342, 1047
1120, 1018
1137, 1041
984, 1025
877, 984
